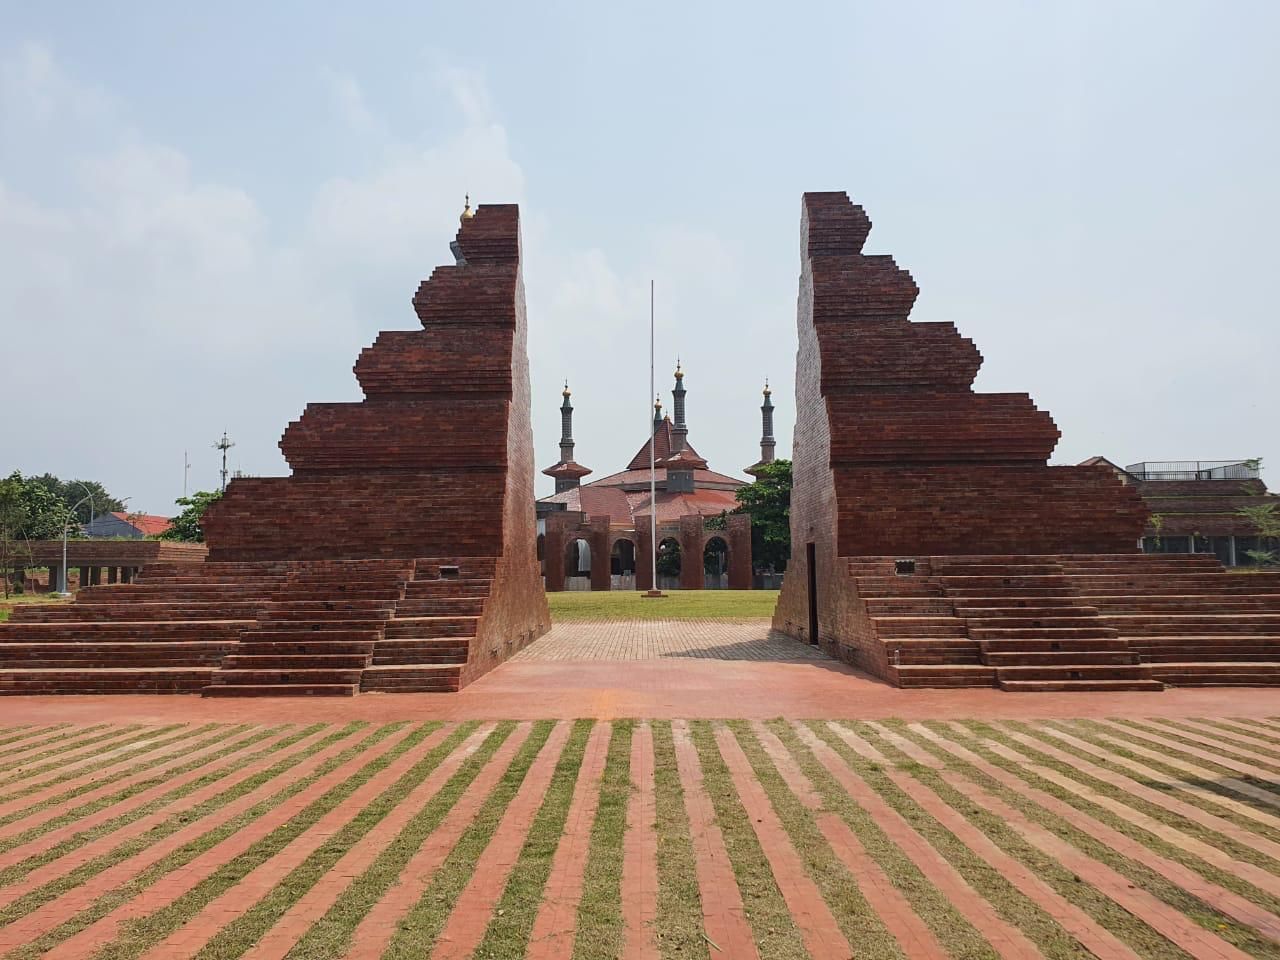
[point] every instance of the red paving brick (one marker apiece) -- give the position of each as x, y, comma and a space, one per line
313, 905
259, 881
1149, 774
554, 929
1205, 851
474, 909
1120, 737
85, 895
1252, 765
912, 933
109, 785
639, 882
819, 930
1005, 938
379, 926
58, 867
659, 689
1146, 906
723, 917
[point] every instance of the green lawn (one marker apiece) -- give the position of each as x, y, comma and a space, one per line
676, 605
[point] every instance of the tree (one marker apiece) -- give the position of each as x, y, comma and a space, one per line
28, 511
768, 501
72, 492
186, 525
1265, 518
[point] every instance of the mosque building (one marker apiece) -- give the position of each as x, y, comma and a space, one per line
614, 512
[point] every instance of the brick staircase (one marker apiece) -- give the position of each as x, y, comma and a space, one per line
316, 634
1191, 622
1086, 622
428, 640
233, 629
165, 633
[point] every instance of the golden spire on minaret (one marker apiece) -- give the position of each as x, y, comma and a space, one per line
467, 212
679, 372
767, 391
566, 388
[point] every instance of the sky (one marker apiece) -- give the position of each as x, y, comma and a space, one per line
207, 211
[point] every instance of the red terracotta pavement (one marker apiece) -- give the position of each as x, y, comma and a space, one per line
659, 689
639, 888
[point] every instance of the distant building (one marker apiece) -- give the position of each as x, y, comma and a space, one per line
602, 526
132, 526
1194, 505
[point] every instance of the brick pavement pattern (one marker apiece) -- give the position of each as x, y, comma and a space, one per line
1117, 839
631, 640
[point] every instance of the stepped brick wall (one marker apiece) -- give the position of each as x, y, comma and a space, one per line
895, 453
399, 555
1022, 575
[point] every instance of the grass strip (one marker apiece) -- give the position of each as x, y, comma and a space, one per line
417, 932
1228, 845
330, 936
108, 902
141, 934
947, 923
1199, 912
1221, 748
10, 874
507, 935
57, 733
600, 932
724, 605
1008, 901
183, 734
27, 733
235, 938
131, 847
70, 795
771, 923
100, 740
1139, 936
1231, 728
1087, 733
1134, 734
858, 921
1178, 783
679, 928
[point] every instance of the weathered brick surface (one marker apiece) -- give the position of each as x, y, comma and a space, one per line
920, 463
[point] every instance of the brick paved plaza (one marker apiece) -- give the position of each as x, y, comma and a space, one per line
763, 838
668, 639
494, 823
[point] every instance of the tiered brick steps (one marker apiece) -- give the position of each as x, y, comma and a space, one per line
165, 633
425, 645
316, 634
1073, 622
1192, 622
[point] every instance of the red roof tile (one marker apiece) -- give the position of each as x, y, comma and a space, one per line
148, 524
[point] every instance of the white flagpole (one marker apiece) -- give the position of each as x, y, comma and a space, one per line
653, 437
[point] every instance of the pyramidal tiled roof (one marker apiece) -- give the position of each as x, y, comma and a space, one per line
661, 448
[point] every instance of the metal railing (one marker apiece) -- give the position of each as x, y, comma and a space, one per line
1194, 470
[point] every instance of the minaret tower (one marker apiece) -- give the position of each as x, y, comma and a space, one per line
680, 429
767, 442
567, 473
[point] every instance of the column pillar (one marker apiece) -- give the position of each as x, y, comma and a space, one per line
84, 578
644, 555
691, 536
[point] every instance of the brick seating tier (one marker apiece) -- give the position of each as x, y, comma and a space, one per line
1025, 576
1064, 622
165, 633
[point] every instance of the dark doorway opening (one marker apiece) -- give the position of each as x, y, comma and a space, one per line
811, 562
